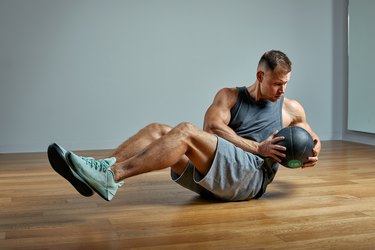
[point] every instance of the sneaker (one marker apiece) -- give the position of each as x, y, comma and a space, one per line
96, 173
57, 157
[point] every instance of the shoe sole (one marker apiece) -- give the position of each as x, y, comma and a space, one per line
87, 183
59, 164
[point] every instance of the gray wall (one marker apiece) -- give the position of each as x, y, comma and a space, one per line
88, 74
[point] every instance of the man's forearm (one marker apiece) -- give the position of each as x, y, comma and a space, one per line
230, 135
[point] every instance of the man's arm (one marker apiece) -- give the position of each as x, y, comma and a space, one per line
218, 117
296, 116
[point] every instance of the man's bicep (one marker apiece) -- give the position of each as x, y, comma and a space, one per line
301, 120
218, 114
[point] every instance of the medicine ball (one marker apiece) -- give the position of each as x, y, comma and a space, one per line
299, 146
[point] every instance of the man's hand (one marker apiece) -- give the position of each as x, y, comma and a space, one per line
268, 148
314, 159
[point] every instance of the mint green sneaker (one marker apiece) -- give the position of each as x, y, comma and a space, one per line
97, 174
57, 157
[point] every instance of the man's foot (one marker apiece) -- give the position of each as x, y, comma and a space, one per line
57, 157
96, 173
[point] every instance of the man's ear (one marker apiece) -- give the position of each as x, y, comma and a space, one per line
260, 75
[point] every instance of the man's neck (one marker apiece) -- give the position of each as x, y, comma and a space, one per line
254, 91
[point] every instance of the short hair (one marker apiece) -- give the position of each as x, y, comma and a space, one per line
272, 58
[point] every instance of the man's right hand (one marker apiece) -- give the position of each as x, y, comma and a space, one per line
268, 148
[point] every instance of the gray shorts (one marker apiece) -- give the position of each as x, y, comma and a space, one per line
235, 174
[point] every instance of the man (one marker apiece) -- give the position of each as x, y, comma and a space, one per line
234, 158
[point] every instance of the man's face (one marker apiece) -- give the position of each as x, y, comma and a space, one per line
273, 84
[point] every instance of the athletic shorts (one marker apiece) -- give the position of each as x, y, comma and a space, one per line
235, 175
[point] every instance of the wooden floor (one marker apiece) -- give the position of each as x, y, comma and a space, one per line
331, 206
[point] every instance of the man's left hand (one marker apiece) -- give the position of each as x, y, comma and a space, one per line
313, 160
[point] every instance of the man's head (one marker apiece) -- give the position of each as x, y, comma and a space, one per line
273, 58
273, 74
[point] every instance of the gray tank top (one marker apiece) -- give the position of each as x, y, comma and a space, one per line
257, 121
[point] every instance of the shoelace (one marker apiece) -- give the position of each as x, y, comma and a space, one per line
99, 165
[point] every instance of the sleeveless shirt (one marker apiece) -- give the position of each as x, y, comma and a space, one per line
257, 121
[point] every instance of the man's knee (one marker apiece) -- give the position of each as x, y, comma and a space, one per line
186, 128
158, 129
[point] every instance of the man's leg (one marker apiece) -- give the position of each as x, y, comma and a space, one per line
141, 140
171, 149
182, 142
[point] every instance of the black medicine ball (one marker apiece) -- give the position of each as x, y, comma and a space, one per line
299, 146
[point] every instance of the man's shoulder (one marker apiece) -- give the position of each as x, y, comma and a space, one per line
291, 104
227, 96
228, 93
229, 90
293, 111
